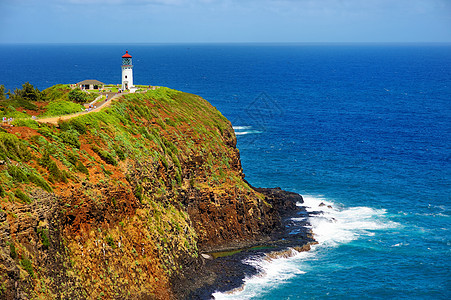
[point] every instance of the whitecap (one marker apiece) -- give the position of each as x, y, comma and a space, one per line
243, 130
332, 224
247, 132
271, 273
241, 127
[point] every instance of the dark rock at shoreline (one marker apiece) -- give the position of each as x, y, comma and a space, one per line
283, 201
206, 276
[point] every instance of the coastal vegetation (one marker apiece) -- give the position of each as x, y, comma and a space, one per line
122, 201
57, 100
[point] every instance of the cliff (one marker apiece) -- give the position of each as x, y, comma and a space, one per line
120, 204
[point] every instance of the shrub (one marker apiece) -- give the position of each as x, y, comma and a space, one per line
105, 171
78, 96
26, 264
39, 181
54, 170
12, 250
2, 191
72, 158
178, 177
47, 132
26, 123
55, 173
24, 103
70, 137
22, 196
55, 92
170, 122
63, 125
45, 159
105, 156
164, 161
119, 152
80, 167
110, 241
2, 92
73, 124
17, 174
28, 93
78, 125
139, 192
62, 107
43, 234
11, 147
9, 110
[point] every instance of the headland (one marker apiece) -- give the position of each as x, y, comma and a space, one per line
145, 198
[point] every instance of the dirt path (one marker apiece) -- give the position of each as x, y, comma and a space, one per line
100, 105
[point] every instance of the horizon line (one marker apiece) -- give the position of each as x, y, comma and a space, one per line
226, 43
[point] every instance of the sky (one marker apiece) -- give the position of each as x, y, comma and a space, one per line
224, 21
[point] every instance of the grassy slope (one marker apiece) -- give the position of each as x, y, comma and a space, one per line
119, 176
55, 102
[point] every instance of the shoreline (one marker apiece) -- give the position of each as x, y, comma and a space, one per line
224, 271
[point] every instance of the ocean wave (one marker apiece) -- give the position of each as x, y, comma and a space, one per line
247, 132
243, 130
272, 273
332, 225
241, 127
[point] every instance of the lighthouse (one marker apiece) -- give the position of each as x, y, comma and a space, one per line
127, 71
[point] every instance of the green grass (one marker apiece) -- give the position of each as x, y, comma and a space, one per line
26, 123
57, 92
61, 108
19, 103
12, 250
13, 148
22, 196
11, 112
43, 234
70, 137
55, 174
27, 266
105, 155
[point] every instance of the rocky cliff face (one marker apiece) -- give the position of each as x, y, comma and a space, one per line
119, 204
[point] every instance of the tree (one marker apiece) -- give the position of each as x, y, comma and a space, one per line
77, 95
2, 92
28, 93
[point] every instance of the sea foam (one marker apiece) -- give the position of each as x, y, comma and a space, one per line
332, 225
243, 130
272, 273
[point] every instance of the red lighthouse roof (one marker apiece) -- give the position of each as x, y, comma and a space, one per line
126, 55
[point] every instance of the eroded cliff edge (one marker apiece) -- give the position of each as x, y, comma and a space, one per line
120, 204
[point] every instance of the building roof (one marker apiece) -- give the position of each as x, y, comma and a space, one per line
90, 81
126, 55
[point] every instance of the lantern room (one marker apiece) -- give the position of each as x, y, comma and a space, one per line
126, 59
127, 71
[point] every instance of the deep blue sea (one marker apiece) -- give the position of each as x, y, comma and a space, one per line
363, 128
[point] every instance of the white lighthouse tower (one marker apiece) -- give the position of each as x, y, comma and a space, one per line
127, 71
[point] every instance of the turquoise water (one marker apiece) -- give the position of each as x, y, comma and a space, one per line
364, 128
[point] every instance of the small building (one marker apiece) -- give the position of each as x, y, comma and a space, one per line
90, 84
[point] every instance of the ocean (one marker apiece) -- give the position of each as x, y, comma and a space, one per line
364, 129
